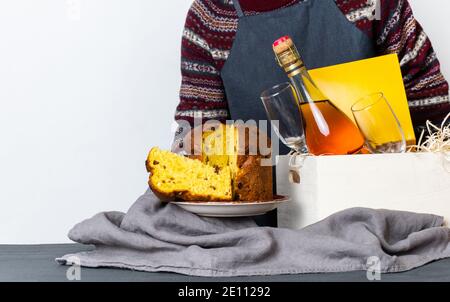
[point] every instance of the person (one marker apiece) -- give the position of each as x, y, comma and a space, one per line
227, 60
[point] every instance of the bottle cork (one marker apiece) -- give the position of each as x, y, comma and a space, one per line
282, 44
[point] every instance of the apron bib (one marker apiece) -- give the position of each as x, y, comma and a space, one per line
322, 34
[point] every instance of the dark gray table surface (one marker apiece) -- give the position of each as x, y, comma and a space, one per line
36, 263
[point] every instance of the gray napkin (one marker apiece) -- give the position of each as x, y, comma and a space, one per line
154, 237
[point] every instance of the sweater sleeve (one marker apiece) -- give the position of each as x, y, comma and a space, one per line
398, 31
202, 95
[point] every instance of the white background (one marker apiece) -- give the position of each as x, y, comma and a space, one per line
84, 94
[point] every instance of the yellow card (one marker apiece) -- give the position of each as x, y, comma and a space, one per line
345, 83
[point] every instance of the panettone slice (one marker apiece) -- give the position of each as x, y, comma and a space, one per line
177, 177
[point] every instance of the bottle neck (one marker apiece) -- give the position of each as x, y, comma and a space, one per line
291, 62
305, 86
296, 69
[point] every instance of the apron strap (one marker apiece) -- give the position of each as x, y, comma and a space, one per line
238, 8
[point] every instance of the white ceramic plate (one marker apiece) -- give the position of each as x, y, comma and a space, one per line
231, 209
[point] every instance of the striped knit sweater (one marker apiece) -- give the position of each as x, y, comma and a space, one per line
211, 26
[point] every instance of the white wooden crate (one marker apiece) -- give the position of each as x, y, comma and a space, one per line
417, 182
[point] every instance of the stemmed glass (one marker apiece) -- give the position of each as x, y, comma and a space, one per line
283, 110
379, 124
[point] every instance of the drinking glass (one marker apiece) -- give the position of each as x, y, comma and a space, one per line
283, 110
379, 124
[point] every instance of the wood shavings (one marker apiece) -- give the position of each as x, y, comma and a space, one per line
437, 140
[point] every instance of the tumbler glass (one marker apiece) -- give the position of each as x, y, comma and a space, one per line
379, 124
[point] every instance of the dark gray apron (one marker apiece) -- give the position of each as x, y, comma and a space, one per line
321, 32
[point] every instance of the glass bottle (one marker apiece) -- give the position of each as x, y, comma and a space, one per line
328, 130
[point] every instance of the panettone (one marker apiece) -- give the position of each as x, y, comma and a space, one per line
236, 150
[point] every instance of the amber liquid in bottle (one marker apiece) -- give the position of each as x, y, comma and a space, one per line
328, 130
340, 137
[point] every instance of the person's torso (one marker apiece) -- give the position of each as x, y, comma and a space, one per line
322, 33
217, 20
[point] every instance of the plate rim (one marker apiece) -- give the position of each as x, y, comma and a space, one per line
281, 199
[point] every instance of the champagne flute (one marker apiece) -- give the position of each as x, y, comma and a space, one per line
379, 124
283, 110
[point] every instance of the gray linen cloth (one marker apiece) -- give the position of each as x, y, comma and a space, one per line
154, 236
